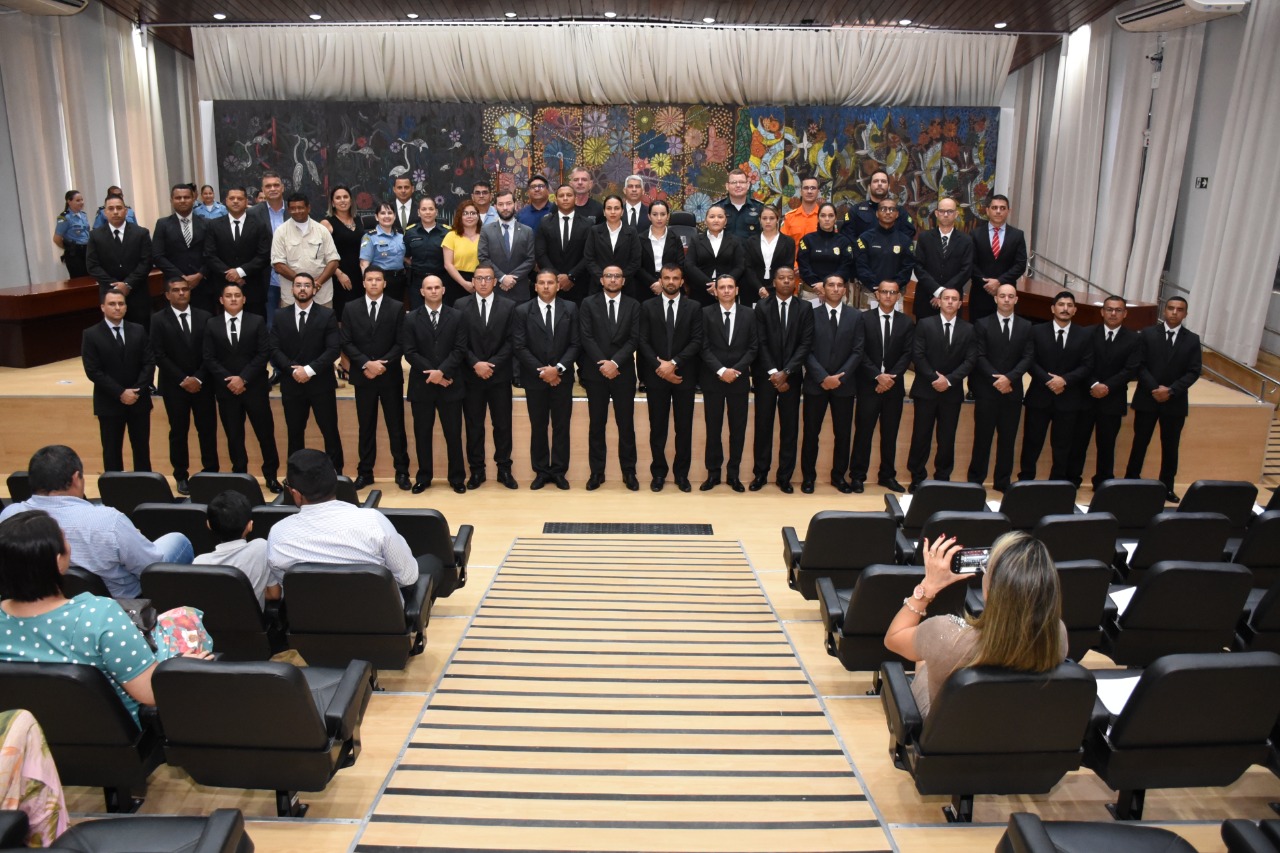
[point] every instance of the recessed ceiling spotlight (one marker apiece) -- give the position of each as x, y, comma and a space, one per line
905, 22
708, 20
315, 16
413, 16
218, 16
509, 14
611, 14
1001, 25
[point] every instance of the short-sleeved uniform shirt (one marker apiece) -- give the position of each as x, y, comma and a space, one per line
383, 249
73, 227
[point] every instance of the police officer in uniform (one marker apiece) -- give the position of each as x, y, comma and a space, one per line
71, 234
423, 243
861, 217
741, 211
383, 248
884, 253
823, 253
101, 218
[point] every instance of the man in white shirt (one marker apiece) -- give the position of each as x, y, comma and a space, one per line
634, 211
303, 245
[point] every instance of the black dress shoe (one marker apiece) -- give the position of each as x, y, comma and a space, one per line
561, 483
362, 482
709, 483
475, 480
539, 481
402, 481
275, 378
891, 484
459, 488
735, 484
505, 478
806, 486
785, 487
421, 486
594, 482
182, 488
683, 484
911, 489
656, 484
856, 487
842, 485
757, 483
273, 485
630, 481
1172, 498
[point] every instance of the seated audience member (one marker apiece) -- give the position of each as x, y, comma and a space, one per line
104, 539
332, 532
229, 519
29, 780
1020, 628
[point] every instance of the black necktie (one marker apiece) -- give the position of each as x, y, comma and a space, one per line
671, 325
564, 240
783, 305
947, 333
547, 321
373, 313
186, 327
1062, 338
887, 332
119, 239
835, 322
235, 339
1006, 328
633, 217
435, 319
728, 327
119, 336
946, 238
1171, 340
236, 236
613, 316
302, 322
1111, 336
484, 318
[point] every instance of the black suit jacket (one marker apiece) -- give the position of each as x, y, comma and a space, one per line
129, 262
1115, 365
833, 354
171, 252
178, 354
317, 347
364, 342
600, 253
571, 259
251, 253
247, 359
1007, 268
778, 348
112, 370
672, 253
701, 262
739, 354
1073, 363
442, 347
597, 342
876, 358
997, 356
642, 221
684, 346
784, 255
490, 342
1176, 369
931, 356
534, 349
933, 270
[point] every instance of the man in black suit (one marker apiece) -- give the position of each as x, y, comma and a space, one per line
119, 257
1004, 357
236, 350
237, 250
944, 353
370, 335
608, 327
405, 205
670, 344
888, 338
488, 375
829, 380
177, 340
999, 257
635, 212
507, 245
1170, 365
944, 258
729, 346
1061, 362
434, 340
560, 246
544, 334
304, 345
1117, 353
784, 335
117, 359
177, 245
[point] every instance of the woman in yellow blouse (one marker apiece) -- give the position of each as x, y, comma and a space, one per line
461, 250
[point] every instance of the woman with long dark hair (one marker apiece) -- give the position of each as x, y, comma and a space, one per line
71, 234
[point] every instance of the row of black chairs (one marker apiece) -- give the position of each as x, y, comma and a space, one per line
222, 831
1027, 833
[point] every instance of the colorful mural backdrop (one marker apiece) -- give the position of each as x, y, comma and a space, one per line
683, 152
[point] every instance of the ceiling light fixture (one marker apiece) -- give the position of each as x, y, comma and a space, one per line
315, 16
708, 20
413, 16
905, 22
509, 14
1001, 25
218, 16
611, 14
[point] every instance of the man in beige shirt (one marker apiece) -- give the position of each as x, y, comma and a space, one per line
303, 245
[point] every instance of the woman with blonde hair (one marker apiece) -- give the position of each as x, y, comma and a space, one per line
1020, 627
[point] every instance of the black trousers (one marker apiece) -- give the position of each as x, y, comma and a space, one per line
232, 409
494, 396
549, 407
298, 408
73, 255
713, 406
786, 406
933, 414
137, 421
1106, 427
885, 410
663, 398
138, 306
622, 393
181, 407
1035, 428
994, 418
388, 395
1144, 426
424, 427
815, 412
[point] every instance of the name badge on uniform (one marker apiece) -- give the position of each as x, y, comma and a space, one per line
836, 250
897, 249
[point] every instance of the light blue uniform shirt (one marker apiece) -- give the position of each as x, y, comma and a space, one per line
73, 227
218, 211
383, 249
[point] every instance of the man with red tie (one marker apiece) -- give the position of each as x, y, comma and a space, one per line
999, 257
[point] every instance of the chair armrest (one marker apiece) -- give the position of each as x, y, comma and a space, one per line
903, 547
278, 500
1026, 834
1244, 836
829, 602
417, 603
900, 709
350, 698
223, 832
13, 829
372, 499
894, 508
792, 548
462, 548
974, 603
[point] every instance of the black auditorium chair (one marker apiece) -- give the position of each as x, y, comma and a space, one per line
440, 553
267, 516
1246, 836
190, 519
232, 616
1132, 502
1027, 833
1028, 501
262, 725
346, 493
1198, 537
972, 530
989, 731
19, 486
856, 619
222, 831
78, 580
683, 225
1179, 607
124, 490
1232, 498
93, 738
1191, 721
1259, 628
1259, 550
933, 496
828, 548
337, 614
206, 486
1089, 536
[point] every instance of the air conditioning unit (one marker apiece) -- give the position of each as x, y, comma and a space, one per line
46, 7
1174, 14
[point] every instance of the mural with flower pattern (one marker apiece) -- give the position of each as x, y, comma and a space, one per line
682, 152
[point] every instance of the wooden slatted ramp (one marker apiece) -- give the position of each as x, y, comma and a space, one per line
631, 694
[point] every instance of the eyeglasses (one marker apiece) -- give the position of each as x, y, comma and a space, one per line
479, 192
887, 209
893, 293
483, 278
613, 275
939, 212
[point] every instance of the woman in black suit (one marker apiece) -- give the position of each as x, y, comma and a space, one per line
765, 254
653, 258
607, 249
712, 254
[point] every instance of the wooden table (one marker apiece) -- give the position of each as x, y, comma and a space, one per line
1036, 297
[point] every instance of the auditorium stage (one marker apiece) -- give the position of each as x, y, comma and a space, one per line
1225, 436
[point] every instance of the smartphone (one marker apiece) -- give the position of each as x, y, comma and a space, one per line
970, 561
